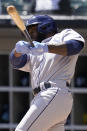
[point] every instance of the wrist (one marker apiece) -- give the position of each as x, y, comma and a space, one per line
39, 48
17, 54
42, 46
45, 48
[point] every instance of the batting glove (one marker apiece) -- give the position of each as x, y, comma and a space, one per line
39, 48
23, 47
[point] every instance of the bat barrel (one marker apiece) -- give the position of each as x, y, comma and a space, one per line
19, 22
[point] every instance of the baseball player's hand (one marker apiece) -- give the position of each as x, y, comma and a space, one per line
25, 48
22, 47
39, 48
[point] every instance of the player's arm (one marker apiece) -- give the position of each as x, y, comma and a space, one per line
72, 44
18, 60
67, 43
58, 49
18, 55
67, 48
70, 47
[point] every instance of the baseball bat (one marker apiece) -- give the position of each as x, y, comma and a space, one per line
19, 22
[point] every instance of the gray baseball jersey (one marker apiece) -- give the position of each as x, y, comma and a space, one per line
50, 107
53, 67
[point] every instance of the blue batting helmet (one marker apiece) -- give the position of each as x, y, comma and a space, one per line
45, 23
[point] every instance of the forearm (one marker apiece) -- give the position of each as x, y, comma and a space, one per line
68, 48
16, 54
59, 49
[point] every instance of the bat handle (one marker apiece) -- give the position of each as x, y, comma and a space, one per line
28, 37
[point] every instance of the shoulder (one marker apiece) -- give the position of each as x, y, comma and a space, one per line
58, 37
65, 35
69, 31
70, 34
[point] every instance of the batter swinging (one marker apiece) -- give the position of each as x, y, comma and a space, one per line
51, 63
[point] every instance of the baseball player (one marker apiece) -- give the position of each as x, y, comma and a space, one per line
51, 63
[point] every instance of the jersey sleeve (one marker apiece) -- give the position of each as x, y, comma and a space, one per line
26, 67
20, 63
65, 35
70, 34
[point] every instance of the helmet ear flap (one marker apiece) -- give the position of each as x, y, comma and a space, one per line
46, 28
43, 27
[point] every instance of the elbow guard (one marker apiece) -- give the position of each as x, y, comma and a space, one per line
18, 62
74, 47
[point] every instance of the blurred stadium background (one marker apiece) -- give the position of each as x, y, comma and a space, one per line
15, 91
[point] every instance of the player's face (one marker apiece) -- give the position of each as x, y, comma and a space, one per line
35, 35
33, 32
